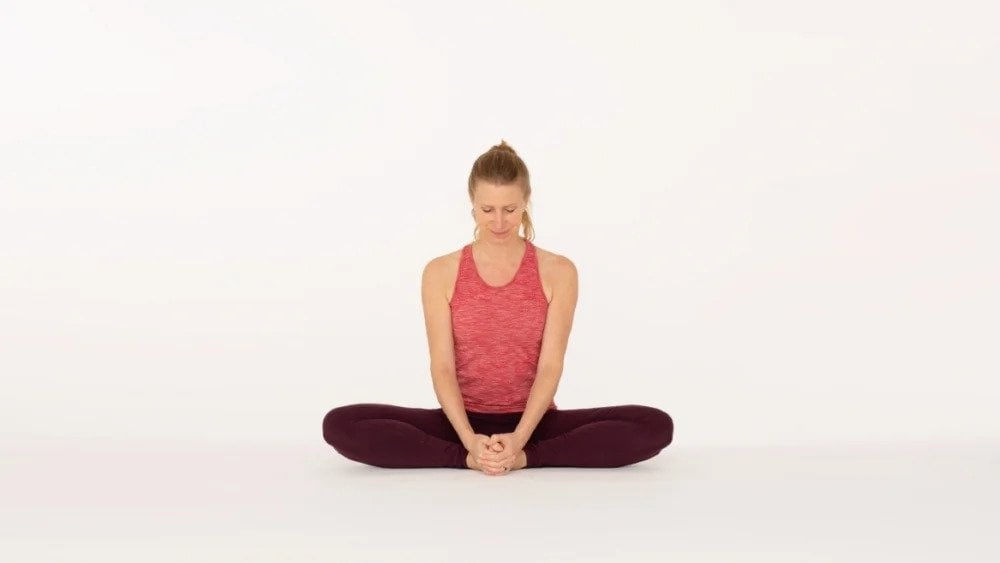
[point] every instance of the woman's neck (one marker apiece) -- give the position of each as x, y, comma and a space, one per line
504, 250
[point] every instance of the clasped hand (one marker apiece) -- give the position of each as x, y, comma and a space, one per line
496, 452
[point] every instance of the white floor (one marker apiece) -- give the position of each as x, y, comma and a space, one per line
65, 500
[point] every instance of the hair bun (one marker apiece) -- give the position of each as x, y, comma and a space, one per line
503, 146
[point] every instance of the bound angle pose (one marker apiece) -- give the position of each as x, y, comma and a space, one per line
498, 314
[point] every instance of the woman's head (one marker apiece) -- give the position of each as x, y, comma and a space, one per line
500, 191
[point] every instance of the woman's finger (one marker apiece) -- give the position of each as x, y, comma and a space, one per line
498, 463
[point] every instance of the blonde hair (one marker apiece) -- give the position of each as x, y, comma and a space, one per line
502, 165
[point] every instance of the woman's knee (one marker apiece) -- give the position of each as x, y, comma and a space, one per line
658, 424
337, 422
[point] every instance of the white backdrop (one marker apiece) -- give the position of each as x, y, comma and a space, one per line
214, 216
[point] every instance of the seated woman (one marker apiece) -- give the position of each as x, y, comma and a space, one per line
498, 314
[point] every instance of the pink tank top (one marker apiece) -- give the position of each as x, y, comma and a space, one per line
498, 335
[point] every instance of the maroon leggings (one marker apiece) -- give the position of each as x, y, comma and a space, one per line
393, 436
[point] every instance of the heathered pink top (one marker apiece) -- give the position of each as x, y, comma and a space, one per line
498, 335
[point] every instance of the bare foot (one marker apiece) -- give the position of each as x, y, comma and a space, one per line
521, 462
470, 462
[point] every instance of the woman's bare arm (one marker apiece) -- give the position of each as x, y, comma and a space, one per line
437, 319
555, 338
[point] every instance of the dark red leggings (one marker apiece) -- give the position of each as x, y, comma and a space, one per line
393, 436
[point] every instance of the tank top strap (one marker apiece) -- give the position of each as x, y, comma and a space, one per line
530, 261
465, 264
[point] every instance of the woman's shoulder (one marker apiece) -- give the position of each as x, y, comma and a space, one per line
554, 263
445, 264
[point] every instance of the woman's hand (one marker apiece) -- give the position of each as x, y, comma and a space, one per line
480, 445
502, 454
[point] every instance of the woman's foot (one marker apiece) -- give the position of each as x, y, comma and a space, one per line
521, 462
470, 462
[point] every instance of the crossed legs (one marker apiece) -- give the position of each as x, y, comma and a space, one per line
404, 437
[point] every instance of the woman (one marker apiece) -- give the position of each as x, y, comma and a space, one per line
498, 314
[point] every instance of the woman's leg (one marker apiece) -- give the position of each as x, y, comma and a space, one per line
599, 437
393, 436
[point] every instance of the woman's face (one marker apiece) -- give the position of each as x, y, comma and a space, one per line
498, 209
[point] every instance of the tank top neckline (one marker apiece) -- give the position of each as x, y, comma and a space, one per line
517, 273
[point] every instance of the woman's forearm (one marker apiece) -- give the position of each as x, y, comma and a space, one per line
543, 390
450, 397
